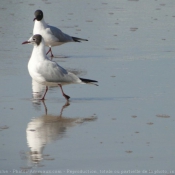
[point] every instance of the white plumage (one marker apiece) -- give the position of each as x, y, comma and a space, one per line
47, 72
52, 35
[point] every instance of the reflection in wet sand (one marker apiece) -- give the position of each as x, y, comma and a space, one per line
49, 128
37, 90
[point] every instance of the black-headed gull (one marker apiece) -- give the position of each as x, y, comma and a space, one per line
47, 72
52, 35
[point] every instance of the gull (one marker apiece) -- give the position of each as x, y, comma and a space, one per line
52, 35
48, 72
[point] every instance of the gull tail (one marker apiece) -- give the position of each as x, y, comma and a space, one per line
88, 81
78, 39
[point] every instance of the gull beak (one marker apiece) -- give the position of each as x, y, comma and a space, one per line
26, 42
34, 19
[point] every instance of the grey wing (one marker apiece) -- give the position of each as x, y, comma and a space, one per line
52, 72
62, 37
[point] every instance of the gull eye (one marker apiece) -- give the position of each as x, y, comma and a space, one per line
34, 39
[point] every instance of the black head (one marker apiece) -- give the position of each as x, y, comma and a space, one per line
38, 15
37, 39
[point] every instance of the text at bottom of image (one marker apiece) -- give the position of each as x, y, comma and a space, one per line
69, 171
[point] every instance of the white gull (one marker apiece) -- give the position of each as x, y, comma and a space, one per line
52, 35
47, 72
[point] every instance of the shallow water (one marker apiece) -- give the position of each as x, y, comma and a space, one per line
123, 126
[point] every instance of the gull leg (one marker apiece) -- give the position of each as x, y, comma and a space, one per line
51, 54
44, 93
48, 50
66, 96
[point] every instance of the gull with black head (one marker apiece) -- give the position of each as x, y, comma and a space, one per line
52, 35
47, 72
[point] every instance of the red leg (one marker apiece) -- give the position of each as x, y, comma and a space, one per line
51, 54
45, 93
66, 96
48, 50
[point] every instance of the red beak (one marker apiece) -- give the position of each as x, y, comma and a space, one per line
26, 42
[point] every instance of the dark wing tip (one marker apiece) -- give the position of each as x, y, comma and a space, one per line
89, 81
78, 39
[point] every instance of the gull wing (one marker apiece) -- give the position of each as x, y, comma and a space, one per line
52, 72
61, 37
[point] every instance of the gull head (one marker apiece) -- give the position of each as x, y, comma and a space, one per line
38, 15
35, 39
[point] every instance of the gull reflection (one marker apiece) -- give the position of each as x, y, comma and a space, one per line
47, 129
37, 90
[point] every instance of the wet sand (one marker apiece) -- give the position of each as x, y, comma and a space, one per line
123, 126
